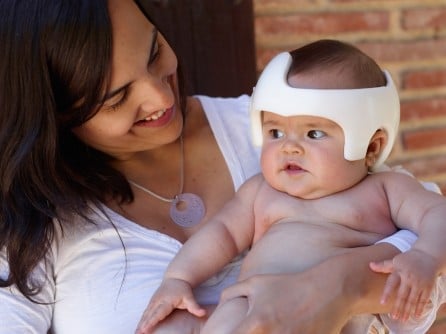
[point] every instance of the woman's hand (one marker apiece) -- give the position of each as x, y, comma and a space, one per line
320, 300
289, 303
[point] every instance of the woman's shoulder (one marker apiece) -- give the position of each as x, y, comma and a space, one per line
239, 104
214, 112
228, 118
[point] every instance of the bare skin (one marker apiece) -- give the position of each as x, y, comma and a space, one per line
294, 220
330, 212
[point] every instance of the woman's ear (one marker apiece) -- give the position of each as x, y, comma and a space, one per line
376, 146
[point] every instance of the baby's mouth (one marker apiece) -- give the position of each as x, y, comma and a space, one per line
293, 167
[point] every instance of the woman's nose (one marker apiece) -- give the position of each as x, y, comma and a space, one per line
156, 91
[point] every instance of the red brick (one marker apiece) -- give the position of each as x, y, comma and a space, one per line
424, 138
382, 51
356, 1
424, 18
423, 109
424, 79
281, 3
399, 51
265, 55
321, 23
422, 169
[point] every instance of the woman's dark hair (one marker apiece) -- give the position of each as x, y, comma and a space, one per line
55, 58
326, 54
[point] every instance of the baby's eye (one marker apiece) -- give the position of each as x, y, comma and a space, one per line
316, 134
276, 133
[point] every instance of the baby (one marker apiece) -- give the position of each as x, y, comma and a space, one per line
327, 117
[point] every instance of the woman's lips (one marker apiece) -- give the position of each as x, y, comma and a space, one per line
158, 118
155, 115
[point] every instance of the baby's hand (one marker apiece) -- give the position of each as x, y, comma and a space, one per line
172, 294
412, 275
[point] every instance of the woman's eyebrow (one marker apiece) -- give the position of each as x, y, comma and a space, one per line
118, 90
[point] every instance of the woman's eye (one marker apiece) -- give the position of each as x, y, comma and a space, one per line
275, 133
116, 105
316, 134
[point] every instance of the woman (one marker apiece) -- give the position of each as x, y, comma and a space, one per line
97, 148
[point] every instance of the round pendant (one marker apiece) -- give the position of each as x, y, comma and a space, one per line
187, 210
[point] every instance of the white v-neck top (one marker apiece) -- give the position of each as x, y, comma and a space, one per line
94, 285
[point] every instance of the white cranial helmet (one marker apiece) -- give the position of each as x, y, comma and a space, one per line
359, 112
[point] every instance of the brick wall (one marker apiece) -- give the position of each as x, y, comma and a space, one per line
407, 37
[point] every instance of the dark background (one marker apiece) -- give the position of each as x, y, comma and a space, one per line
214, 42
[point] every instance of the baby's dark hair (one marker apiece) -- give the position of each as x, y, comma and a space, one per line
355, 66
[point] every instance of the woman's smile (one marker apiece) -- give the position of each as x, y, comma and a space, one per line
158, 118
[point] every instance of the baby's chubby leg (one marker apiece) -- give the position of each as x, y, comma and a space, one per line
226, 316
364, 323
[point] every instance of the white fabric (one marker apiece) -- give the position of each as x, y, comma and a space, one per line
402, 239
94, 285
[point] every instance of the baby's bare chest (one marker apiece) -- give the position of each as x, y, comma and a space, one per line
359, 209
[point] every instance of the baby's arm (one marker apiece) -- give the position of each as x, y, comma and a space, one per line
413, 273
226, 234
172, 294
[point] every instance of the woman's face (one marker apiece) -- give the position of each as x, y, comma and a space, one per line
141, 110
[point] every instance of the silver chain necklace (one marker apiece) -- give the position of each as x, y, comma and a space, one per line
186, 209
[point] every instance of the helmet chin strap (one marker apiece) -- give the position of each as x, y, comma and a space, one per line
359, 112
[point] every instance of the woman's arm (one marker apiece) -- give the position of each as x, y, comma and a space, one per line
319, 300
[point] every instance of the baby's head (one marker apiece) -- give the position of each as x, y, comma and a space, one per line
334, 80
331, 64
